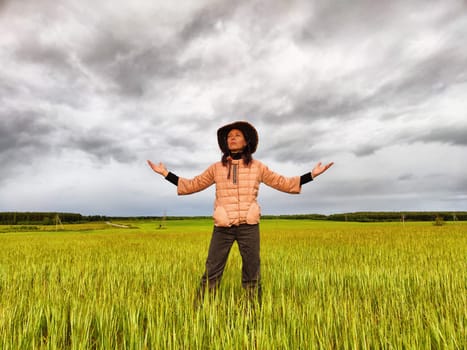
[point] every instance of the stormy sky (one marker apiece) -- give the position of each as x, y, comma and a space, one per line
91, 89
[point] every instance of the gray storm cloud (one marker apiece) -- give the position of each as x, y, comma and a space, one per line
377, 87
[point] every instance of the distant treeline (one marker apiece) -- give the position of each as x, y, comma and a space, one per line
380, 216
37, 218
48, 218
400, 216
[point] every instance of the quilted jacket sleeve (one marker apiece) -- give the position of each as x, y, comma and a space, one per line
280, 182
198, 183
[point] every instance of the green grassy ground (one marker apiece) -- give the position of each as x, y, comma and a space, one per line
326, 285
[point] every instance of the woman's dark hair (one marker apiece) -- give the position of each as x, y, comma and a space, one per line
246, 156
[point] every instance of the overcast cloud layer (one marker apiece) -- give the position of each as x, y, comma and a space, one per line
91, 89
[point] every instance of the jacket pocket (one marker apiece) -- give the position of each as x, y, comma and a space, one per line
253, 214
220, 217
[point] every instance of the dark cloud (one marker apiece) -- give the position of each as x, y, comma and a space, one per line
405, 177
135, 66
3, 4
34, 50
27, 136
340, 18
101, 146
428, 78
24, 137
362, 19
23, 130
366, 149
203, 21
129, 66
56, 79
258, 17
453, 135
183, 142
327, 105
8, 88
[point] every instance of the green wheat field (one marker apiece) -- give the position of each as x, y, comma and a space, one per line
326, 285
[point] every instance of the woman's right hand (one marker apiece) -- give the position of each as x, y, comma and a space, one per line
159, 168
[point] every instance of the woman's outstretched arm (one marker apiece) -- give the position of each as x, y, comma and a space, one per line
185, 186
292, 184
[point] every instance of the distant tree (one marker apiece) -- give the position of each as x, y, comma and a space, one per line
439, 221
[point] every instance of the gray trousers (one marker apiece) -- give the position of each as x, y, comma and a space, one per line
247, 237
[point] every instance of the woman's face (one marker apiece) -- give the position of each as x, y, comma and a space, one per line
235, 140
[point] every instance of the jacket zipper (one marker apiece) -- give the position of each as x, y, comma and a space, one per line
234, 177
235, 180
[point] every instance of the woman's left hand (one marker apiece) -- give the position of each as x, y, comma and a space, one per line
319, 169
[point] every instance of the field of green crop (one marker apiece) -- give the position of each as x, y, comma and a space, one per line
326, 285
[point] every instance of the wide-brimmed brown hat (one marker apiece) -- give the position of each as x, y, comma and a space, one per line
249, 133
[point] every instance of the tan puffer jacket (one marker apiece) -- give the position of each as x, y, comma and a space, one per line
236, 196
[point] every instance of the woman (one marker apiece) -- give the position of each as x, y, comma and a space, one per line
236, 211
